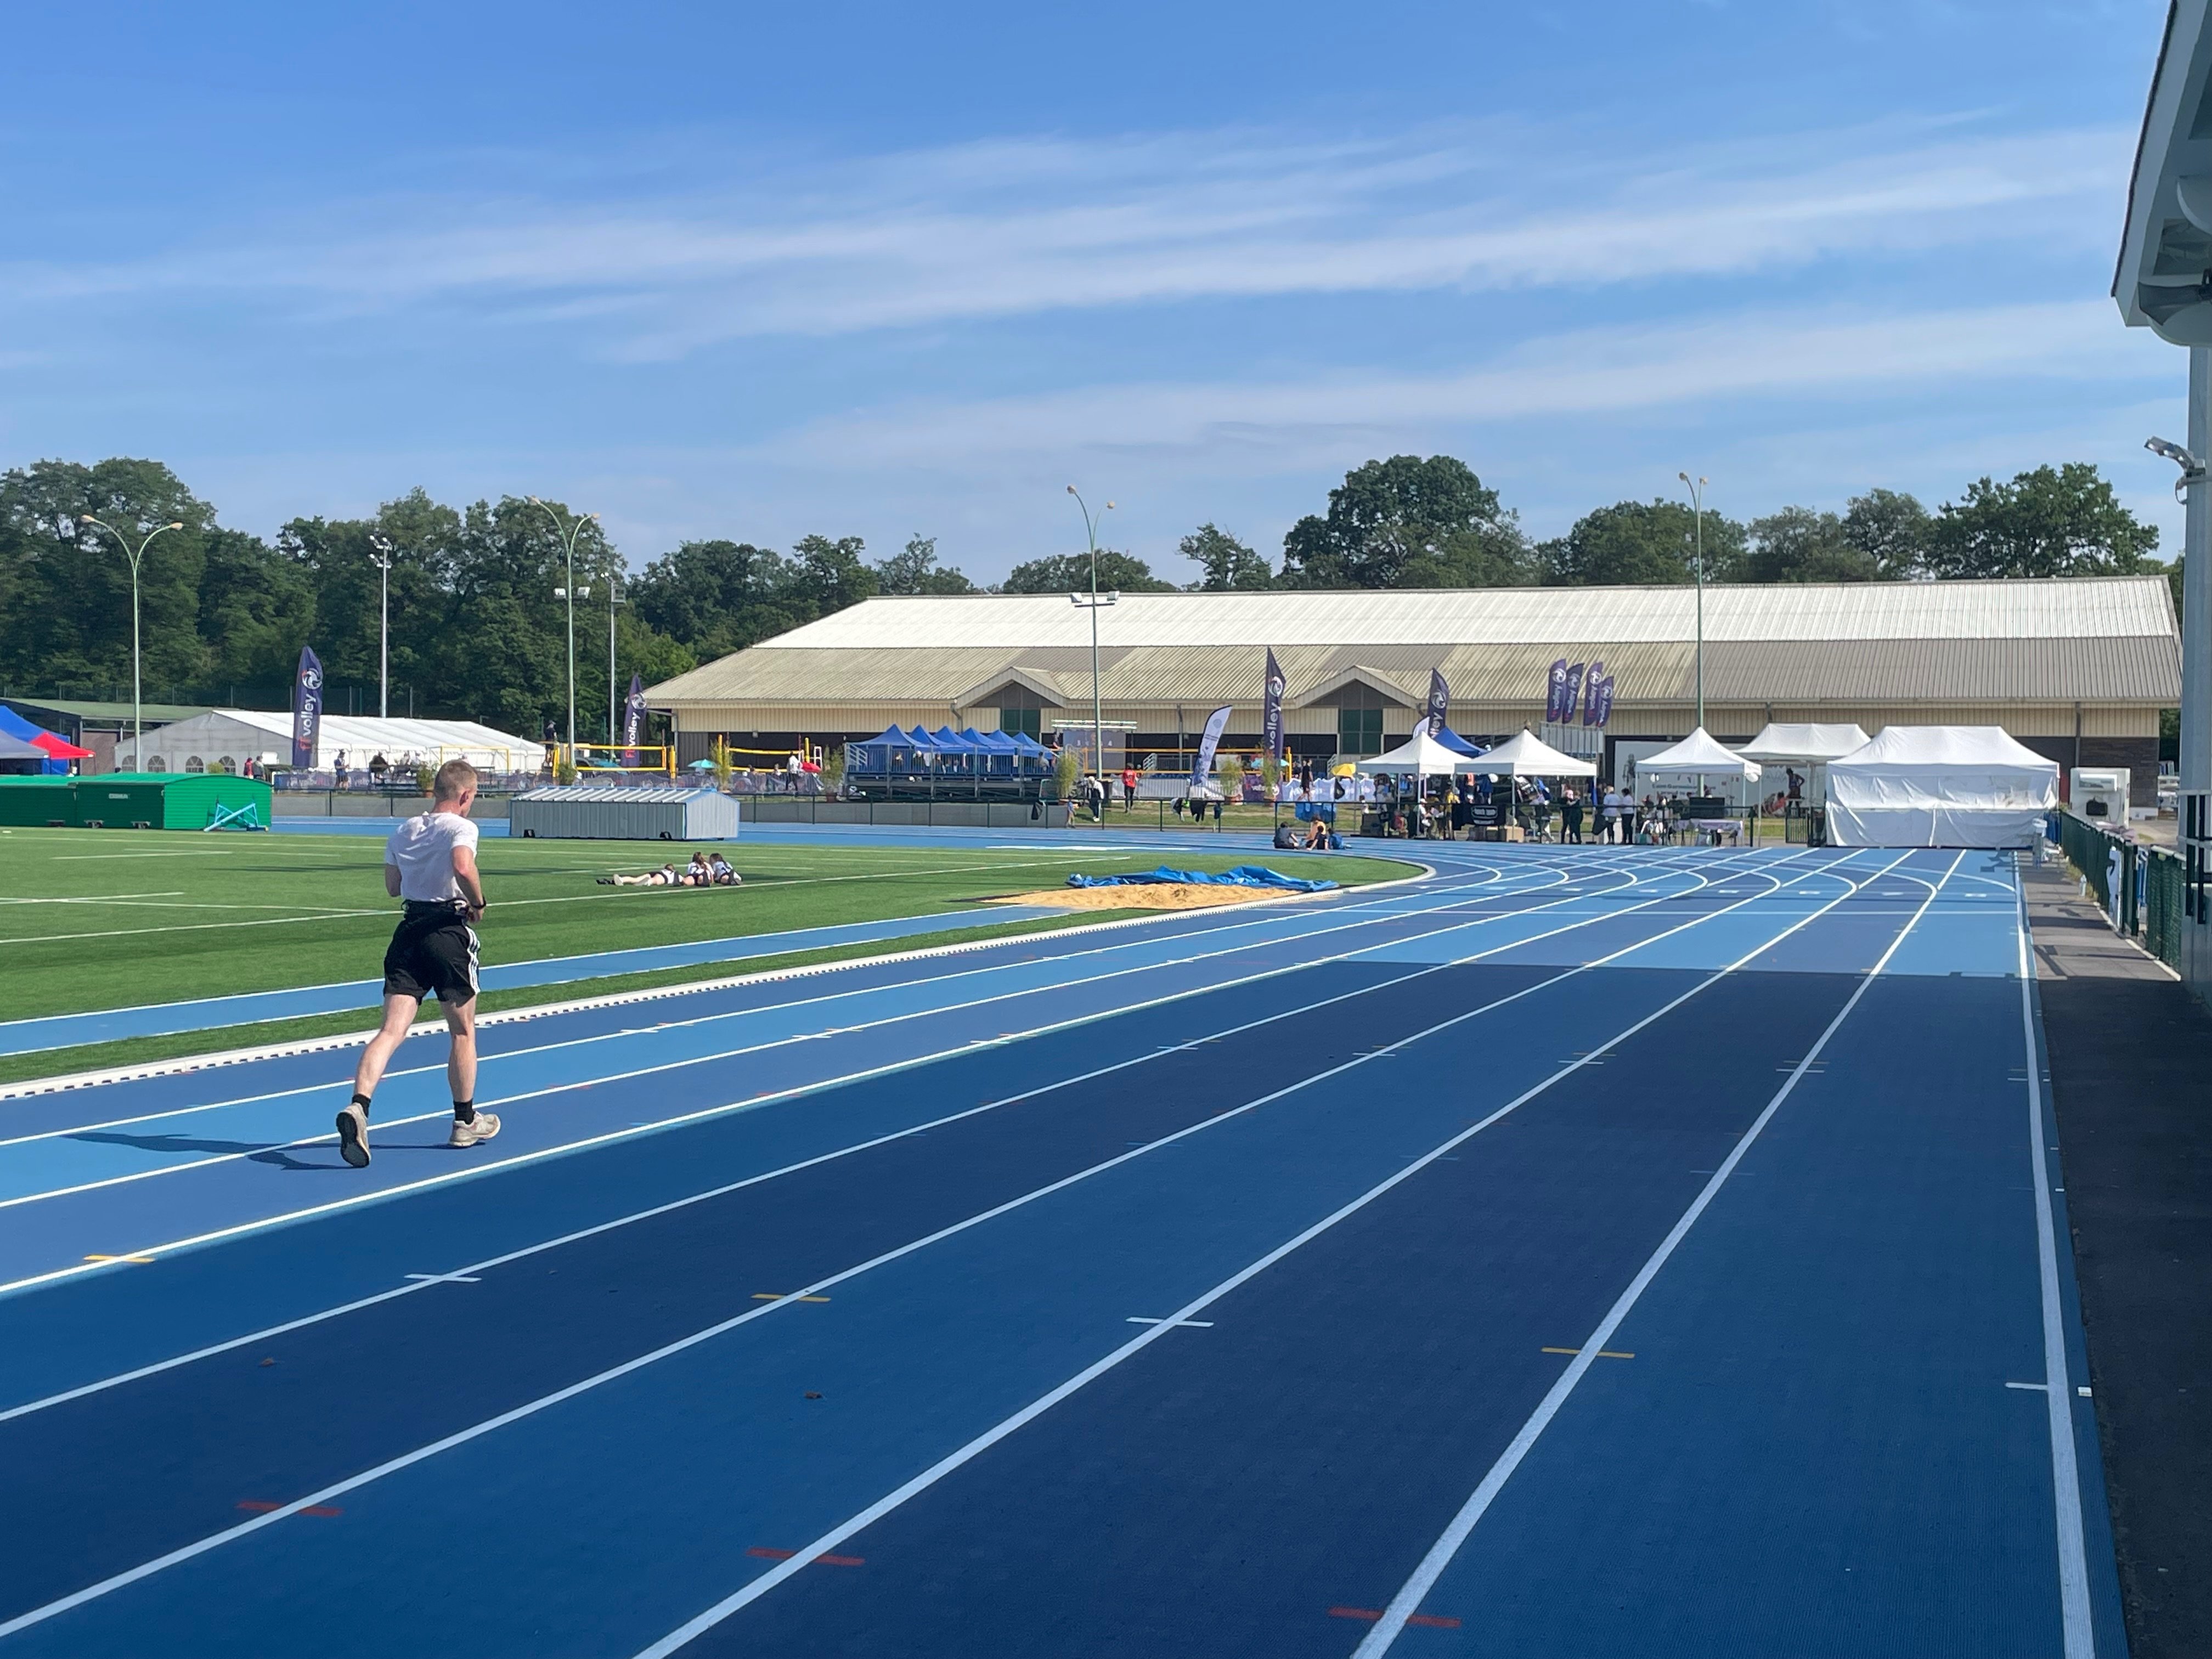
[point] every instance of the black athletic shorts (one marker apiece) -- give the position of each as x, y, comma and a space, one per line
433, 953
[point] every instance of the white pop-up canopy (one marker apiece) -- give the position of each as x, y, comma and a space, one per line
1941, 785
1527, 756
1421, 755
1700, 755
1802, 745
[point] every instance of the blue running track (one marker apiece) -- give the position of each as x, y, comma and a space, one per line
1579, 1251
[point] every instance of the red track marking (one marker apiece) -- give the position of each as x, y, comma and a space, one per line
1435, 1621
767, 1554
265, 1506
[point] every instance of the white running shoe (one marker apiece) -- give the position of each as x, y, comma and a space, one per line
483, 1127
353, 1136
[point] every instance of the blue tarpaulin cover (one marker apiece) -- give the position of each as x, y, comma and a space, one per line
1244, 875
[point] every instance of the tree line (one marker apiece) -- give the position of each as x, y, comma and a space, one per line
475, 631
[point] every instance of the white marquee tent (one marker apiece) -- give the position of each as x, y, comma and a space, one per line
1423, 755
1527, 756
1700, 755
226, 739
1941, 785
1802, 745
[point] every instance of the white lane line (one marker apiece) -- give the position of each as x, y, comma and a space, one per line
2076, 1622
686, 1633
750, 1181
108, 898
1416, 1587
531, 1408
1194, 1324
754, 1101
1139, 942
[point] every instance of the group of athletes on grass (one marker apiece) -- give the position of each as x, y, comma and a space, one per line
430, 867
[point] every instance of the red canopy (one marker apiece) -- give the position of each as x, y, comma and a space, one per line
60, 748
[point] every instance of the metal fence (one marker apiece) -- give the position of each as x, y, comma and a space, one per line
2147, 879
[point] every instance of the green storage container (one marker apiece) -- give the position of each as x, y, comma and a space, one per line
35, 800
168, 800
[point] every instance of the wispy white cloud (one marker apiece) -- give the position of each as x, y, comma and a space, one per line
986, 231
1598, 373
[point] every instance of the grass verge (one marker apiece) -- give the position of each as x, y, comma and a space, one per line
183, 1045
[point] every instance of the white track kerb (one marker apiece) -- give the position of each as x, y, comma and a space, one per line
2057, 1384
768, 1580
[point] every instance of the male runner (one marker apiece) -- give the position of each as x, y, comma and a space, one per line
430, 865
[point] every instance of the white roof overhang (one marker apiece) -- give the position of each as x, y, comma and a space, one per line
2164, 279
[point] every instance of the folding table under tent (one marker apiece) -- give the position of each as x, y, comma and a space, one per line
1523, 756
1941, 785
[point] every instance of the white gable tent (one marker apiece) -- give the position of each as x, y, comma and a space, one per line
1700, 755
1527, 756
1941, 785
1802, 745
235, 736
1421, 755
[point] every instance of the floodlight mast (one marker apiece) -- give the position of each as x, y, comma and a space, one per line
135, 555
1697, 488
2192, 469
568, 532
381, 558
1092, 605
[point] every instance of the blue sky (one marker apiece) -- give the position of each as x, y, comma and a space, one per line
755, 271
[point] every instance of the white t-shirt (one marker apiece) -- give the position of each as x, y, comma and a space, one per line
423, 848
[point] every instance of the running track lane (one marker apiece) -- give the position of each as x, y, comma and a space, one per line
120, 1188
1338, 1112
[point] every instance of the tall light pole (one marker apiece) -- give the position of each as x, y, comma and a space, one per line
612, 601
135, 555
381, 558
568, 532
1698, 502
1092, 605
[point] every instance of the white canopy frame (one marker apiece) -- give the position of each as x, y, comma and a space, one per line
1526, 755
1422, 755
1700, 755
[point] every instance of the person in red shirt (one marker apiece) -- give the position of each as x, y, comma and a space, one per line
1128, 788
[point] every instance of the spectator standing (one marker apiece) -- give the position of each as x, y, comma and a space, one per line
1128, 788
1571, 815
338, 771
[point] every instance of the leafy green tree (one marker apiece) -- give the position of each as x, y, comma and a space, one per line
829, 575
1891, 528
716, 597
1229, 564
1070, 573
2053, 521
1635, 542
916, 571
1404, 522
1798, 544
338, 560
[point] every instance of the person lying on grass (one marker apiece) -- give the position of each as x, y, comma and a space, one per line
663, 876
722, 873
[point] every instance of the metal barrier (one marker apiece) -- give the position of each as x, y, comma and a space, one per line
2164, 886
2107, 862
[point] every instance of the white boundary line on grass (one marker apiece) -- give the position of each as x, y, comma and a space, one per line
1431, 1567
928, 1477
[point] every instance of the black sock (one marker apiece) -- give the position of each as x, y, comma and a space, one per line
362, 1101
465, 1111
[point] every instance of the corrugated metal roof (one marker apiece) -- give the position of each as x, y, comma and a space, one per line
2109, 669
1033, 623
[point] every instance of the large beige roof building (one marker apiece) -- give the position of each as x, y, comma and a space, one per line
2078, 669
